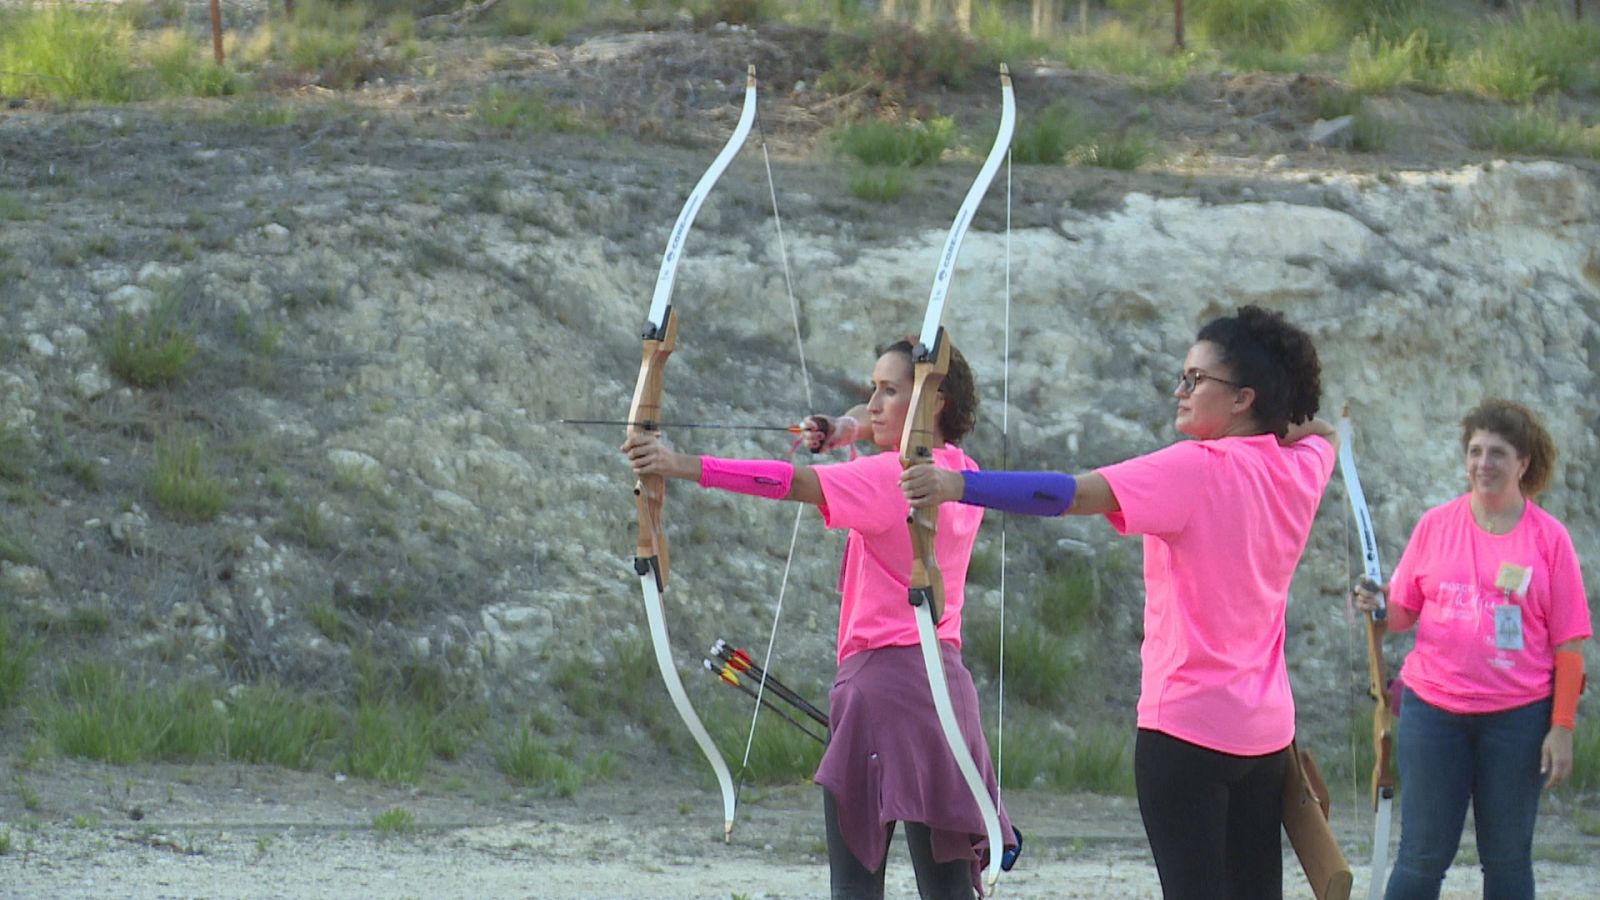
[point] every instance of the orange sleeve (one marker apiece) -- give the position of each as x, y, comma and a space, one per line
1569, 684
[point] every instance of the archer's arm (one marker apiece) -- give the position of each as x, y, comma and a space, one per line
1029, 493
1309, 427
773, 479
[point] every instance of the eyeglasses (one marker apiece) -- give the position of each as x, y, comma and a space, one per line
1188, 381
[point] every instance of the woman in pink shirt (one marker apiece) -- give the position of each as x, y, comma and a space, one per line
887, 760
1491, 688
1225, 518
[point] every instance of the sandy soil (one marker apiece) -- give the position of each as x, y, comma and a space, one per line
226, 831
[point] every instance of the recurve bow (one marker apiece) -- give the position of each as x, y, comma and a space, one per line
1377, 672
931, 362
660, 337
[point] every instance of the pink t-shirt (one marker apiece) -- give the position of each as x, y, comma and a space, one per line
1449, 576
864, 496
1224, 524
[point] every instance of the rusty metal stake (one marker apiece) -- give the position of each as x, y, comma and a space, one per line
216, 31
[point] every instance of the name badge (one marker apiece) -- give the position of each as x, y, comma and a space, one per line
1513, 579
1508, 627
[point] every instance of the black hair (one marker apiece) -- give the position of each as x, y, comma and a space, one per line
1274, 358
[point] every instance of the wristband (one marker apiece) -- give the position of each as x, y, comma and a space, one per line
768, 478
1569, 684
1029, 493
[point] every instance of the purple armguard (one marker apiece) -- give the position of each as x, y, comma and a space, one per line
1029, 493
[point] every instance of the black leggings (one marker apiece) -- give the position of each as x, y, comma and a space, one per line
850, 880
1212, 818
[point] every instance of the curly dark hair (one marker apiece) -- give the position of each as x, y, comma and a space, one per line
1273, 357
959, 388
1522, 429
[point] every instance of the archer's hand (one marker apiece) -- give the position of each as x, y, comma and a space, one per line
1555, 757
926, 485
648, 454
820, 434
1367, 595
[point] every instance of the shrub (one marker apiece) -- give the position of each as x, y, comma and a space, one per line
890, 144
880, 184
182, 483
153, 349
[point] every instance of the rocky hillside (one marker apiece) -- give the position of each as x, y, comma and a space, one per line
393, 306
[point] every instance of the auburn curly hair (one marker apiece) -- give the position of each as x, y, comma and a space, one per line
1522, 429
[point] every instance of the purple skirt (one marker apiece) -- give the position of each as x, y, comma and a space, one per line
887, 759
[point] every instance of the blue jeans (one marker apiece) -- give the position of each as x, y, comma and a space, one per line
1445, 760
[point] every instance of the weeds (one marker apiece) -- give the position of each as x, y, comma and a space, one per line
526, 111
1536, 130
154, 349
879, 143
14, 210
267, 724
394, 822
1051, 135
1037, 754
16, 455
526, 759
18, 651
182, 482
879, 184
15, 549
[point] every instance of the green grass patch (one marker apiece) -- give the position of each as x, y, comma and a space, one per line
65, 52
900, 54
1536, 130
527, 757
182, 481
1120, 150
394, 822
1037, 754
406, 715
878, 143
1375, 63
327, 620
72, 52
153, 349
18, 653
1585, 763
1051, 135
17, 455
1539, 50
268, 724
1120, 49
100, 713
1268, 24
1040, 667
780, 753
879, 184
327, 40
14, 210
526, 111
87, 620
14, 549
1068, 597
548, 21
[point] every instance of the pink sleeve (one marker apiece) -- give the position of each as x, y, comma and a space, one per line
1157, 491
1569, 604
1405, 588
863, 494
